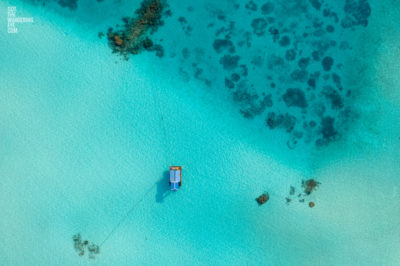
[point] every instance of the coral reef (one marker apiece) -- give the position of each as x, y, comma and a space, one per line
134, 37
282, 63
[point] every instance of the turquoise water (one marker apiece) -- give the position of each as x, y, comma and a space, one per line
86, 138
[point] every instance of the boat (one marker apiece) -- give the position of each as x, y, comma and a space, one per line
175, 177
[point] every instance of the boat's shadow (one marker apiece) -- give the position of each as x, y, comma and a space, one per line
163, 187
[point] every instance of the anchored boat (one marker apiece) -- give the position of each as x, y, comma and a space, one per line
175, 177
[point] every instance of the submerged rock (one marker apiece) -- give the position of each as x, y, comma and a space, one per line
262, 199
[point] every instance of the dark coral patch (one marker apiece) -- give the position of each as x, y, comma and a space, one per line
182, 20
311, 83
185, 53
315, 55
336, 80
291, 144
284, 41
235, 77
71, 4
267, 8
251, 6
295, 97
304, 62
357, 13
334, 97
259, 25
330, 28
221, 45
270, 20
244, 96
229, 62
322, 47
327, 63
253, 108
275, 61
229, 84
244, 70
147, 43
285, 121
299, 75
274, 33
328, 130
290, 54
158, 49
316, 4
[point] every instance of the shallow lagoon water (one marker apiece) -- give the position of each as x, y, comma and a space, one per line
85, 139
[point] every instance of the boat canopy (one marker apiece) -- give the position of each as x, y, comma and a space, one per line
175, 176
174, 186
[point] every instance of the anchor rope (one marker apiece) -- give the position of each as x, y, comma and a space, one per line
127, 214
164, 141
155, 95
